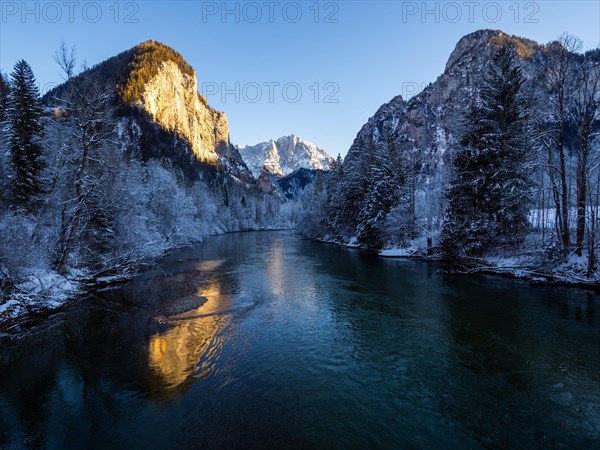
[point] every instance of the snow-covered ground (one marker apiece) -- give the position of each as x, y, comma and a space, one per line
398, 252
43, 290
546, 218
531, 266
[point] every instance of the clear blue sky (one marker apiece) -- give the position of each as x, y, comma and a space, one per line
368, 51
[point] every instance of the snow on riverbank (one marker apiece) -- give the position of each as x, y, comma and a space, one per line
530, 267
43, 290
398, 252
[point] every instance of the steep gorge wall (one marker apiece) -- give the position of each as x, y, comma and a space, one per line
172, 100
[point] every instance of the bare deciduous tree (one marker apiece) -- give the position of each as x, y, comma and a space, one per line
559, 72
66, 58
89, 106
586, 114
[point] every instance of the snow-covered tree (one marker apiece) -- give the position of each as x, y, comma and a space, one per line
24, 117
560, 69
488, 196
5, 165
86, 213
4, 93
383, 193
586, 113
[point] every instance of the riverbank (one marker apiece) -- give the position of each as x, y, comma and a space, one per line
568, 273
530, 268
37, 296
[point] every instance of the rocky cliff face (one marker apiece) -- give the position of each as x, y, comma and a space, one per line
415, 139
156, 91
285, 155
434, 116
172, 100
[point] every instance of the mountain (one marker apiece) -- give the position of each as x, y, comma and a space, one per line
153, 83
133, 163
284, 156
413, 142
170, 97
293, 184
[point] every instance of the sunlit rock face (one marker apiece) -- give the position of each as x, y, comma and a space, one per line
161, 113
172, 100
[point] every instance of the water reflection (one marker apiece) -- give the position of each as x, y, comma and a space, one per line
191, 346
277, 342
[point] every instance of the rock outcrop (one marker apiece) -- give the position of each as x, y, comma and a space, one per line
415, 138
172, 100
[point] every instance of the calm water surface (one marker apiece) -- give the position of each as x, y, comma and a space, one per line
257, 340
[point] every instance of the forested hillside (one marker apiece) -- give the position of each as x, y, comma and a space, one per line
122, 162
497, 159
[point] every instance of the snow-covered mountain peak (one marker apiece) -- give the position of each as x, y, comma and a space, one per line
285, 155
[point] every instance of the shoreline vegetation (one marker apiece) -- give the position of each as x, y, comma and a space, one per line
24, 308
528, 273
32, 312
525, 269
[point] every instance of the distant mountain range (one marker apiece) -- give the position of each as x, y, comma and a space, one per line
285, 155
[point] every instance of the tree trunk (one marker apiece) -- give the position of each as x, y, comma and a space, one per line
564, 216
558, 221
68, 241
593, 202
581, 194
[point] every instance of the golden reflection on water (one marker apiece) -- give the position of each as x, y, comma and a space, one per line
192, 345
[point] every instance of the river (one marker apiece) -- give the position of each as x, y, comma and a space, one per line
262, 339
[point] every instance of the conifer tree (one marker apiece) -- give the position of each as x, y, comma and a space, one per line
488, 196
24, 118
4, 92
383, 192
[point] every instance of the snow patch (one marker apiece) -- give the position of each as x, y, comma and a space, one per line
398, 252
